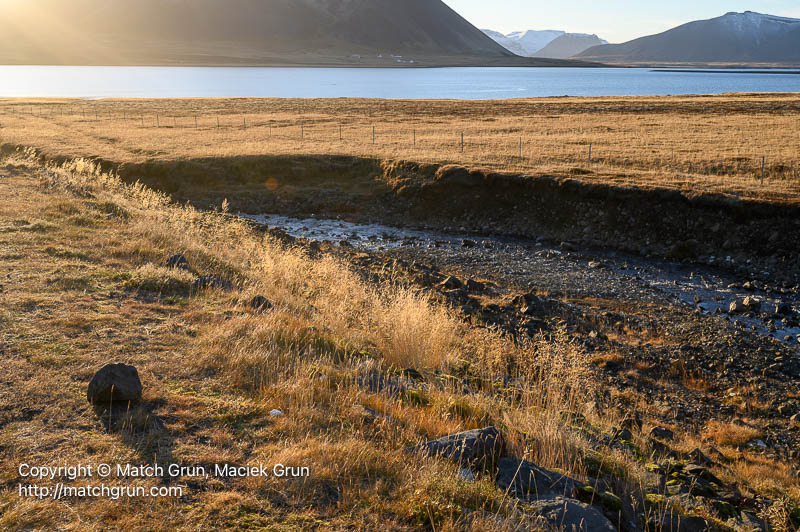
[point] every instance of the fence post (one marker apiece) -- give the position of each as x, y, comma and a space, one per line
415, 137
590, 154
462, 142
763, 168
217, 121
373, 134
244, 123
520, 146
340, 131
195, 121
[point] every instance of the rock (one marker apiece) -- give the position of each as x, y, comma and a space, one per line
782, 309
737, 307
260, 303
571, 515
451, 283
661, 433
205, 282
632, 422
115, 383
275, 413
752, 304
466, 475
701, 472
473, 447
411, 373
624, 435
475, 286
178, 261
698, 457
673, 522
757, 444
530, 482
468, 243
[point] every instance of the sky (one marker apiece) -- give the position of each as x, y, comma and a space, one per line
613, 20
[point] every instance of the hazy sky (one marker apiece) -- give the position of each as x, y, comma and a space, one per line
614, 20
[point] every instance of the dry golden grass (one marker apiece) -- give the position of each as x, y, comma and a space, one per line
696, 144
731, 434
88, 288
84, 253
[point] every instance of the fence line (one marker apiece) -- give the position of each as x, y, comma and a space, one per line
564, 157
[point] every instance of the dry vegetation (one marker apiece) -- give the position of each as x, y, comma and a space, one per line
84, 284
692, 143
85, 287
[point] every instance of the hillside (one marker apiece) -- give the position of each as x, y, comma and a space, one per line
262, 32
734, 38
569, 45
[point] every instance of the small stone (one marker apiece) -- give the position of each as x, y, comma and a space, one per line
662, 433
475, 286
737, 307
757, 444
451, 283
115, 383
752, 304
260, 303
178, 262
624, 435
466, 475
211, 282
468, 243
275, 413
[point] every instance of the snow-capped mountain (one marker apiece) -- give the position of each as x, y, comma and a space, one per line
568, 45
525, 43
733, 38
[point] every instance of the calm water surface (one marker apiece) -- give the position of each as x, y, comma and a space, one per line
460, 83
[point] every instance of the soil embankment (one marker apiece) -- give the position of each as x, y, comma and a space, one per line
744, 235
749, 236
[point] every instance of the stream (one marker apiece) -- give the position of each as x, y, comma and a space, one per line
585, 272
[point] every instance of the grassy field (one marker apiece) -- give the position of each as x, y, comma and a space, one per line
86, 285
82, 256
697, 144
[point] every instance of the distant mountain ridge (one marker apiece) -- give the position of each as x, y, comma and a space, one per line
318, 32
735, 38
545, 43
568, 45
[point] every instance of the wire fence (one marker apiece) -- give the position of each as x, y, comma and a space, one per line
510, 147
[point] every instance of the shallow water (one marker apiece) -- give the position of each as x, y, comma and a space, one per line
397, 83
674, 280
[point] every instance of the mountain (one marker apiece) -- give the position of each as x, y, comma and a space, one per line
509, 44
568, 45
734, 38
525, 43
261, 32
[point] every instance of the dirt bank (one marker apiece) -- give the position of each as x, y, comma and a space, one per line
757, 239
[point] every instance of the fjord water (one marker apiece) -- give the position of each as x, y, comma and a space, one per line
399, 83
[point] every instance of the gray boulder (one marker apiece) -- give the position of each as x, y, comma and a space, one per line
473, 447
530, 482
572, 516
115, 383
178, 261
